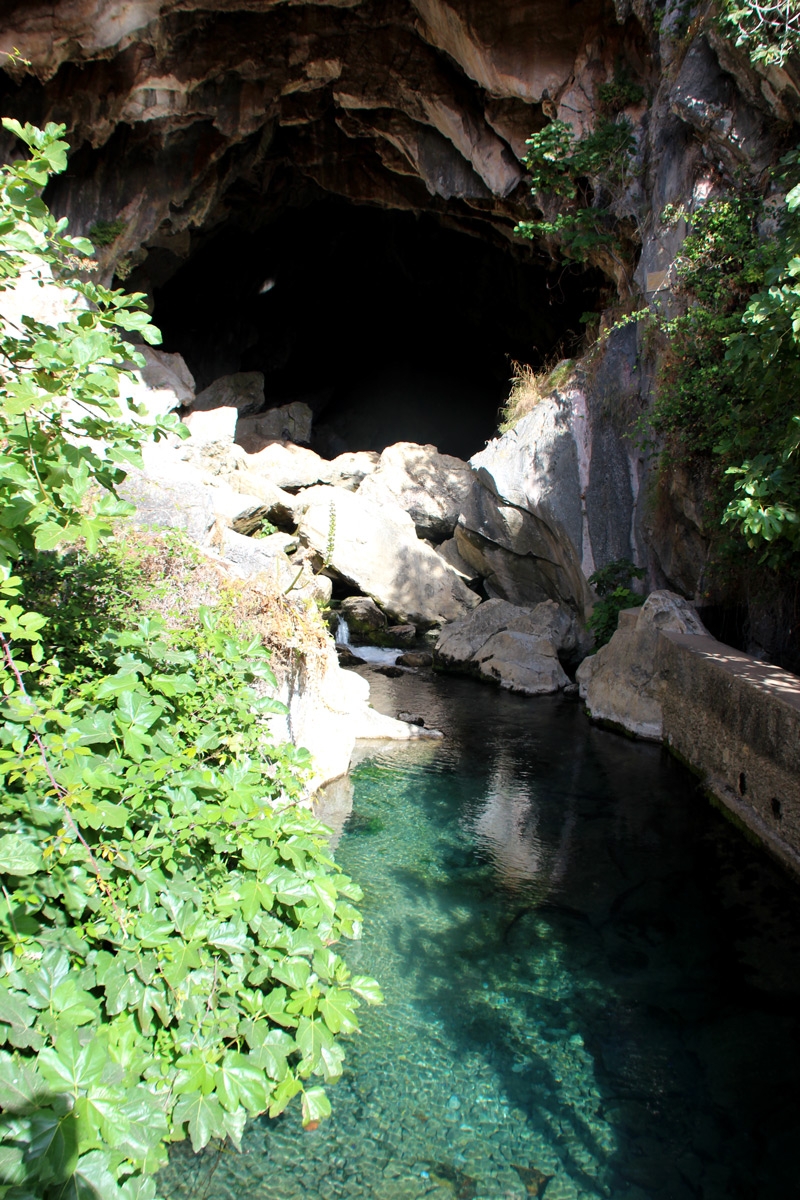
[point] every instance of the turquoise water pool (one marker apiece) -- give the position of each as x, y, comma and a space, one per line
591, 979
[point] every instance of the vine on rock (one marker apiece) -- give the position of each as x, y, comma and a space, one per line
585, 179
168, 912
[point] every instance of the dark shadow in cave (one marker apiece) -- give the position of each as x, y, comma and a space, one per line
389, 325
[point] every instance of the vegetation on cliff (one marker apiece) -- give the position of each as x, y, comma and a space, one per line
168, 912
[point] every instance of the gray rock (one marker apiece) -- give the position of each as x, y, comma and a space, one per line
349, 469
177, 503
162, 385
291, 423
401, 635
415, 658
622, 683
256, 556
375, 547
516, 647
522, 527
431, 487
362, 614
243, 391
449, 551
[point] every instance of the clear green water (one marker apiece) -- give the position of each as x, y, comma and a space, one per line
592, 980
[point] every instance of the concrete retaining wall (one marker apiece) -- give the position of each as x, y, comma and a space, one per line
737, 722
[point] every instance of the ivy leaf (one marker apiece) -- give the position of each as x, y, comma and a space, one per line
203, 1115
293, 971
316, 1106
286, 1089
238, 1081
92, 1178
337, 1009
312, 1037
18, 856
53, 1136
367, 988
20, 1083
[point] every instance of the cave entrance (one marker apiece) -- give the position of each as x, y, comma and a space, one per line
389, 325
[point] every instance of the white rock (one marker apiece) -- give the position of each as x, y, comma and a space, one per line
622, 683
376, 548
162, 385
287, 466
239, 511
267, 556
329, 712
431, 487
347, 470
211, 440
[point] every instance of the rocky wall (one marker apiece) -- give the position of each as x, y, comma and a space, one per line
736, 721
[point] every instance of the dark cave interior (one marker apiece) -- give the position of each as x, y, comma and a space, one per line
391, 326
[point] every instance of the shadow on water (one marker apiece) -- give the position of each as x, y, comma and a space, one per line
592, 979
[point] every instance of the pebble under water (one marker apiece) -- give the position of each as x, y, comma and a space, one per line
591, 979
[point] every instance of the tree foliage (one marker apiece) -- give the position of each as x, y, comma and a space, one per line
168, 912
586, 176
728, 391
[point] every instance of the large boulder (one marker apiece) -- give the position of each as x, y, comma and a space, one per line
162, 385
522, 527
516, 647
347, 470
243, 391
328, 711
431, 487
210, 445
287, 466
173, 499
375, 547
268, 556
362, 614
622, 683
291, 423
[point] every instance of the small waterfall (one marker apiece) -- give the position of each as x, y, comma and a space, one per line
342, 634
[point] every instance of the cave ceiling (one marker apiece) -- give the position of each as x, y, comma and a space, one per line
186, 114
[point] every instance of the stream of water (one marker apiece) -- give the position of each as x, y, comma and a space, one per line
592, 980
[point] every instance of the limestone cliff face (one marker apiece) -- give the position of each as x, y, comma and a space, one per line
187, 114
183, 108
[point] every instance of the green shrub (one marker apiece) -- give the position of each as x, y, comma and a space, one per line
728, 389
105, 233
611, 584
769, 31
586, 173
168, 911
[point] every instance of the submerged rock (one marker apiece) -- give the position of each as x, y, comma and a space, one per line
516, 647
622, 683
415, 658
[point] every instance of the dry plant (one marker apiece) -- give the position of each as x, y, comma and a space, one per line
179, 577
529, 388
